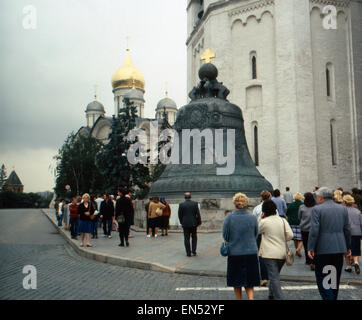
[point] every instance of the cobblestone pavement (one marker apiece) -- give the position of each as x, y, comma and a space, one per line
28, 238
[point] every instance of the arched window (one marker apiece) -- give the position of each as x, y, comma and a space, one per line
253, 67
329, 80
256, 144
333, 143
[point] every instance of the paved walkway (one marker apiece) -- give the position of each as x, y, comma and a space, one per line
168, 254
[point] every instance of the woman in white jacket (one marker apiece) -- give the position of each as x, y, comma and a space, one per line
273, 248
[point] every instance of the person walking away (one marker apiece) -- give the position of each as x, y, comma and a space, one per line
166, 214
131, 220
329, 239
293, 219
257, 212
355, 220
275, 233
86, 211
66, 214
73, 218
155, 211
288, 196
94, 218
107, 215
304, 215
337, 196
240, 231
99, 201
123, 215
280, 203
190, 219
61, 212
147, 205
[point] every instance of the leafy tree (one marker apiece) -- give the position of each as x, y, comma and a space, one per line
159, 168
3, 176
117, 170
76, 166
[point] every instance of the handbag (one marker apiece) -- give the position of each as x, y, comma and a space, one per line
121, 219
224, 249
159, 212
289, 257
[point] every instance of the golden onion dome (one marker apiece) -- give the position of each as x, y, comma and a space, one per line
128, 76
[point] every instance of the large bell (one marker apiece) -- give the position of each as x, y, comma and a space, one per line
209, 109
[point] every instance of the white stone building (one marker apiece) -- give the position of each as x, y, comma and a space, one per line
299, 84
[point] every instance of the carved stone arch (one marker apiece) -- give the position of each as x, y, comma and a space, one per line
265, 12
251, 17
341, 12
315, 8
236, 21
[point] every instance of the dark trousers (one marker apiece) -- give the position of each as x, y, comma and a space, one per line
305, 236
263, 270
94, 228
107, 226
320, 262
123, 230
190, 232
73, 224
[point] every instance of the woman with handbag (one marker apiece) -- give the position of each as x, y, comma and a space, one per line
86, 212
275, 232
155, 211
240, 231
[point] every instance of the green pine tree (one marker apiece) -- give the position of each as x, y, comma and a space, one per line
3, 176
117, 171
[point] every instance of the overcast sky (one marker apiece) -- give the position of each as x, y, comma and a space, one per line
48, 74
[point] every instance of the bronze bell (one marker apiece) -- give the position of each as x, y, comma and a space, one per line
210, 110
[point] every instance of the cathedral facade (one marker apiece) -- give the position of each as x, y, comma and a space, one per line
127, 82
298, 83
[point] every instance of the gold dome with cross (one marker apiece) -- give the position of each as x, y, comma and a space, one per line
128, 76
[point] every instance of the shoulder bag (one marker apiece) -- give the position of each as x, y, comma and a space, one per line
224, 249
121, 219
289, 257
159, 212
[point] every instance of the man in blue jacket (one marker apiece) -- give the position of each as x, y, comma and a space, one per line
190, 219
329, 240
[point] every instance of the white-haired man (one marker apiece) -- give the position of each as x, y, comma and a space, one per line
329, 240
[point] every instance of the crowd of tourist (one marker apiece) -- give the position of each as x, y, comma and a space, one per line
327, 223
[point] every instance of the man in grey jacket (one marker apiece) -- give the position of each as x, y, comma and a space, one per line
329, 240
190, 219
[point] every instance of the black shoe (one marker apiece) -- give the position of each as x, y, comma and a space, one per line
162, 235
348, 269
357, 268
194, 254
271, 298
121, 245
189, 255
127, 244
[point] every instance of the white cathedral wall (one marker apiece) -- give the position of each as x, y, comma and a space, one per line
331, 46
256, 97
292, 50
356, 90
